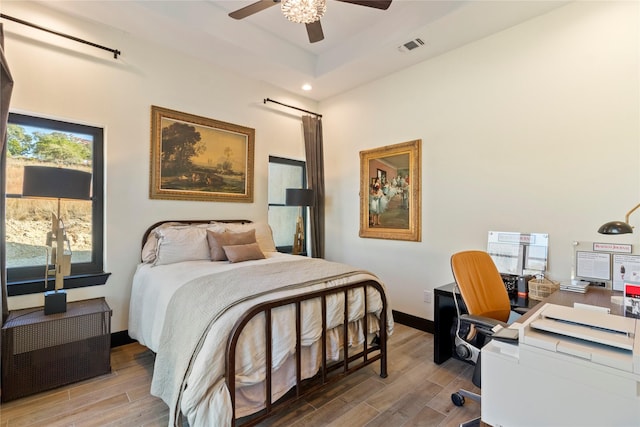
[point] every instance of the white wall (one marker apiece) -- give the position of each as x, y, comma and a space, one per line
62, 79
534, 129
518, 134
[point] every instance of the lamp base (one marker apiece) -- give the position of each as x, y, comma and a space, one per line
298, 238
55, 302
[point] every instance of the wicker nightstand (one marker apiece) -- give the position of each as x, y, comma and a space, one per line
43, 352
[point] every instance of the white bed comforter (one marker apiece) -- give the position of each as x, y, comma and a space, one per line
205, 399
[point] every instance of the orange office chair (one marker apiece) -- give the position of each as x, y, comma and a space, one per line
487, 301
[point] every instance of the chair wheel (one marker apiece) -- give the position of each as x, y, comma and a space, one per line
457, 399
463, 351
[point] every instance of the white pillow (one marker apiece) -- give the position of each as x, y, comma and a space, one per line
150, 248
177, 244
264, 235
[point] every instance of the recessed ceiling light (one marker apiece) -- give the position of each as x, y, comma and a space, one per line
306, 86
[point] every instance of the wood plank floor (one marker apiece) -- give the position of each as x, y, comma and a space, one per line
415, 393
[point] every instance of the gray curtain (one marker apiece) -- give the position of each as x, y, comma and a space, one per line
315, 180
6, 86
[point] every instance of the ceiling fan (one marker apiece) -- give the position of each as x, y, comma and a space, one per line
306, 12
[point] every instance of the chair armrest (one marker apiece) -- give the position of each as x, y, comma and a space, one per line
484, 324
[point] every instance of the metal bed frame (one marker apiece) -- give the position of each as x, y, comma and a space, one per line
328, 373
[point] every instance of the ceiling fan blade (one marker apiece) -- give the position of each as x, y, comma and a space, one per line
253, 8
314, 31
377, 4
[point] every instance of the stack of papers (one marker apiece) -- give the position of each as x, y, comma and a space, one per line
602, 328
575, 286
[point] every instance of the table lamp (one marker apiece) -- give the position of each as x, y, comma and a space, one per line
299, 197
618, 227
56, 183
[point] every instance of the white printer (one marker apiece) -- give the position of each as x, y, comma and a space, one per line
571, 366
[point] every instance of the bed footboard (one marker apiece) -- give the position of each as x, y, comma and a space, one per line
328, 372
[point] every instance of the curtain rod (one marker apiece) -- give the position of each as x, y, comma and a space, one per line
291, 106
115, 52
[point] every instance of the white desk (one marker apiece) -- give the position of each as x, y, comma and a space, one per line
530, 386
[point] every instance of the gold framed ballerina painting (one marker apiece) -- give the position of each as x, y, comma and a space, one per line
390, 205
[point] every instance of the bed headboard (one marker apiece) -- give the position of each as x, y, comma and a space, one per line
189, 222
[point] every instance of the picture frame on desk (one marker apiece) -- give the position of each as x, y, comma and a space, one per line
626, 268
632, 299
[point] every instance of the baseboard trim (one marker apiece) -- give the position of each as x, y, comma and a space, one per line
123, 338
413, 321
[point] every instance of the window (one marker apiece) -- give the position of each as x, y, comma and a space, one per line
283, 174
45, 142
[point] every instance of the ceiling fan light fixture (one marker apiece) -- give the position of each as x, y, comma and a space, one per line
303, 11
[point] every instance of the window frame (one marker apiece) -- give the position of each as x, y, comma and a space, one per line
28, 280
303, 166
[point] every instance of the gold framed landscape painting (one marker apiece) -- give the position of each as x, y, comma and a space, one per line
390, 204
197, 158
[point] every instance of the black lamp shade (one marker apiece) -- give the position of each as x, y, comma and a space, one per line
56, 183
299, 197
615, 227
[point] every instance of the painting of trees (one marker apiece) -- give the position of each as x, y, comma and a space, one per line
179, 145
195, 158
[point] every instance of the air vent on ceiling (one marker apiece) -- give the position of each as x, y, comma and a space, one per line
410, 45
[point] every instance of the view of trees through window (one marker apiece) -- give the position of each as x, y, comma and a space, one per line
28, 220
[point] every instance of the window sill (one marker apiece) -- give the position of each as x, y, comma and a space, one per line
36, 286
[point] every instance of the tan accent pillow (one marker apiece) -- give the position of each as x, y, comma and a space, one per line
239, 253
217, 240
264, 234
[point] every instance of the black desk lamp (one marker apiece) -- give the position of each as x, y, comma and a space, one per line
299, 197
56, 183
618, 227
